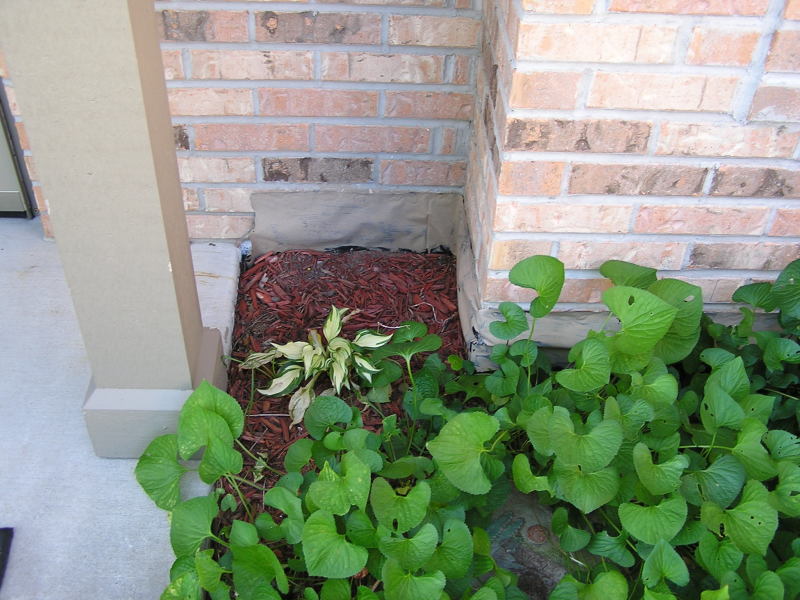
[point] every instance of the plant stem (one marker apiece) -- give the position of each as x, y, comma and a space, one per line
230, 477
255, 458
710, 447
252, 392
784, 394
497, 439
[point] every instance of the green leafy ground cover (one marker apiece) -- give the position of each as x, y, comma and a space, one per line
667, 450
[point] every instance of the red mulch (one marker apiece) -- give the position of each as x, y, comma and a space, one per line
284, 294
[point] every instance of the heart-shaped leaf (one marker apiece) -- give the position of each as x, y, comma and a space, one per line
214, 399
209, 573
570, 538
751, 453
768, 586
786, 290
399, 584
751, 524
758, 295
399, 513
514, 324
184, 587
287, 502
664, 563
337, 493
731, 376
780, 350
653, 523
159, 472
624, 273
590, 451
592, 367
243, 533
544, 274
524, 479
662, 478
190, 524
414, 552
327, 553
586, 491
336, 589
644, 318
786, 495
325, 412
682, 335
219, 459
298, 455
718, 409
538, 430
722, 481
613, 548
525, 350
454, 555
198, 425
718, 556
254, 569
458, 448
789, 573
783, 445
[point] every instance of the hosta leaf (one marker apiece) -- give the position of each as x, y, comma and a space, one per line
624, 273
327, 553
662, 478
664, 563
748, 449
254, 568
514, 324
591, 451
454, 555
682, 335
758, 295
718, 556
722, 481
783, 445
458, 449
718, 409
786, 495
399, 584
324, 412
592, 367
653, 523
524, 479
399, 513
337, 493
613, 548
291, 506
751, 524
586, 491
159, 472
191, 524
786, 290
414, 552
768, 586
570, 538
644, 318
780, 350
544, 274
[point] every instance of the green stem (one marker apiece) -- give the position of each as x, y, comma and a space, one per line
255, 458
230, 477
784, 394
497, 439
252, 392
618, 530
588, 522
711, 447
413, 429
220, 541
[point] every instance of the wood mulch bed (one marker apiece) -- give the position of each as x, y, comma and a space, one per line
284, 294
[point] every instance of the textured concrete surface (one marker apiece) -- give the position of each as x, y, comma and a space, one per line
83, 528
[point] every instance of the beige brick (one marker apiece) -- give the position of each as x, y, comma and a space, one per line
690, 139
426, 3
221, 170
228, 200
462, 69
596, 42
22, 136
549, 135
203, 26
429, 105
716, 290
693, 7
650, 91
787, 222
792, 10
562, 218
190, 199
318, 28
545, 89
40, 200
355, 138
218, 226
255, 136
210, 101
389, 68
756, 181
757, 256
784, 55
703, 220
47, 226
592, 254
421, 172
776, 104
712, 46
575, 290
11, 96
559, 7
506, 253
317, 103
632, 180
530, 178
419, 30
251, 64
3, 65
30, 167
173, 64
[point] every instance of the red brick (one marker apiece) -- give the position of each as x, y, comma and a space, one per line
596, 42
418, 30
758, 256
173, 65
693, 7
203, 26
429, 105
22, 136
221, 170
559, 7
757, 182
190, 199
462, 70
181, 137
632, 180
592, 254
651, 91
784, 55
549, 135
11, 96
530, 178
40, 200
30, 167
711, 46
317, 103
354, 138
506, 253
228, 200
218, 226
787, 222
702, 220
689, 139
449, 141
426, 3
544, 89
716, 290
318, 28
575, 290
389, 68
318, 170
256, 136
792, 10
422, 172
251, 64
47, 226
776, 104
562, 218
210, 101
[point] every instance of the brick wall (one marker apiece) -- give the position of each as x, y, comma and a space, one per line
664, 132
367, 94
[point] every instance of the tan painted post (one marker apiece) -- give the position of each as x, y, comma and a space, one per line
88, 77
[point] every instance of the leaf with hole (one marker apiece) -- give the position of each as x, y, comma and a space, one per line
544, 274
327, 553
396, 512
644, 318
751, 524
663, 478
786, 495
159, 472
717, 556
783, 445
514, 322
592, 367
653, 523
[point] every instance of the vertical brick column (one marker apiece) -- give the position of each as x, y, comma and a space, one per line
663, 132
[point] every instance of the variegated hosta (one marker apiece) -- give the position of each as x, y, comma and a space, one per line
302, 363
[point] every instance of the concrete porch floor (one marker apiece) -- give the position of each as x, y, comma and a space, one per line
83, 528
